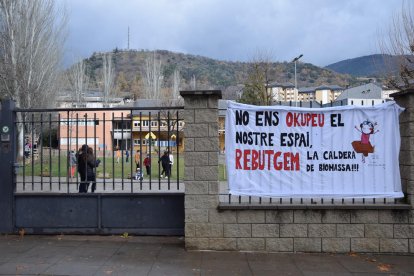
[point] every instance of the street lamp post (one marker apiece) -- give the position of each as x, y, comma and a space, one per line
296, 87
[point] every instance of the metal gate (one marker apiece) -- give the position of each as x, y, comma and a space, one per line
134, 193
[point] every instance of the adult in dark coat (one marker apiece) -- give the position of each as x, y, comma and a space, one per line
165, 163
86, 169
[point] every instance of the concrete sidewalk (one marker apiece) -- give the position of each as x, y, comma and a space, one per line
115, 255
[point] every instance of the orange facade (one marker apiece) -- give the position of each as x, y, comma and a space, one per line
94, 128
109, 130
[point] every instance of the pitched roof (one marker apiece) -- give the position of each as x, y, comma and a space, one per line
365, 91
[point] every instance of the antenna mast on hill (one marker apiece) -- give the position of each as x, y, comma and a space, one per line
128, 37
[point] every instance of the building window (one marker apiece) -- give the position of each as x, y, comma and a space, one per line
137, 142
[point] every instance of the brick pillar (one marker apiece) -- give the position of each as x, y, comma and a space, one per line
201, 149
406, 99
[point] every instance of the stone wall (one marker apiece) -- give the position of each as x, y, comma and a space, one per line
207, 227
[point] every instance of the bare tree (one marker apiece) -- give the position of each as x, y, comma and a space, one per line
32, 35
153, 77
107, 77
176, 84
193, 83
256, 85
78, 81
399, 42
171, 98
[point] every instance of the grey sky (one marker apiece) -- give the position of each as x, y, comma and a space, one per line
324, 31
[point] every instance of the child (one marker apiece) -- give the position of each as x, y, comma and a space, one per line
138, 174
72, 163
118, 155
147, 164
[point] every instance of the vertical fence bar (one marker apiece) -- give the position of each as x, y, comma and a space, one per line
68, 144
41, 151
86, 143
59, 125
177, 141
150, 149
77, 143
159, 151
122, 150
140, 148
94, 183
32, 139
168, 148
50, 151
104, 152
24, 149
113, 151
132, 155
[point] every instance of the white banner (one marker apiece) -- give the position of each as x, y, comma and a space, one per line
337, 152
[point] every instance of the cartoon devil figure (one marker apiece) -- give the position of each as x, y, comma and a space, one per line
364, 145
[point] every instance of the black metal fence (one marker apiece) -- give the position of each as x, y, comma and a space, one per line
127, 146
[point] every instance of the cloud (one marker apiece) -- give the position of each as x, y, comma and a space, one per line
324, 31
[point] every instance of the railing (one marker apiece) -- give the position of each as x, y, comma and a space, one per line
229, 201
50, 139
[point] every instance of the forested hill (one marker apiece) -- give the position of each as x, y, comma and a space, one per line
367, 66
209, 73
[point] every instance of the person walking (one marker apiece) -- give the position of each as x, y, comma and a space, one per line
138, 159
86, 168
171, 157
27, 149
147, 164
165, 163
127, 156
118, 155
72, 163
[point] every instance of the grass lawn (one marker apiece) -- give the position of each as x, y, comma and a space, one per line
116, 169
111, 168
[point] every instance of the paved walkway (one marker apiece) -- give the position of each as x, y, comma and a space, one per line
115, 255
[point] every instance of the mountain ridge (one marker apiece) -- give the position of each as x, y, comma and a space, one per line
210, 73
376, 65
